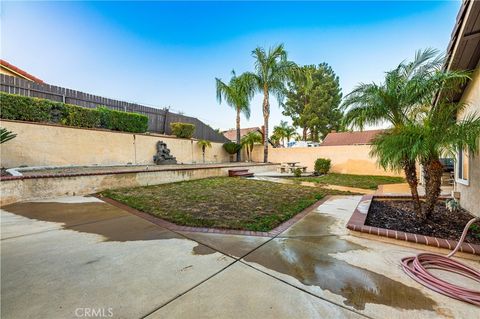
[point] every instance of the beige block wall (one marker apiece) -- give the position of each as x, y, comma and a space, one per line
48, 145
470, 194
350, 159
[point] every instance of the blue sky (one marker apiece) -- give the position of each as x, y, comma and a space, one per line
168, 53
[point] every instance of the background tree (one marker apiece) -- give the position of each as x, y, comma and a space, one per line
249, 140
237, 93
272, 70
204, 144
313, 99
284, 132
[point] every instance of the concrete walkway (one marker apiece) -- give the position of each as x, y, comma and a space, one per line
68, 257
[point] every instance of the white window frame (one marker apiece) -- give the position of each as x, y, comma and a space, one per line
459, 179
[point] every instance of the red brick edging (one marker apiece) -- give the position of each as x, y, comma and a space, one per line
174, 227
357, 223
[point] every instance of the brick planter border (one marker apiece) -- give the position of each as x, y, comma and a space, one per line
357, 223
178, 228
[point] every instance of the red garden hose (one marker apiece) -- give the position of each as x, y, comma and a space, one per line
416, 267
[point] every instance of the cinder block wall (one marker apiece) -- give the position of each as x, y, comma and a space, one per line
349, 159
51, 145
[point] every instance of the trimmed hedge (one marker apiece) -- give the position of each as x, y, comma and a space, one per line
123, 121
22, 108
183, 130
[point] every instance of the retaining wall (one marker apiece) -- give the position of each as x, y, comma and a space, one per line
53, 145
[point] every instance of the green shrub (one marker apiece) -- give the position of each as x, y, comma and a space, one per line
17, 107
297, 172
22, 108
183, 130
232, 147
80, 116
322, 166
123, 121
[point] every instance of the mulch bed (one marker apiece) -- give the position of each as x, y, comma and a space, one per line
399, 215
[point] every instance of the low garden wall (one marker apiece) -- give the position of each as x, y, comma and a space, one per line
348, 159
22, 188
54, 145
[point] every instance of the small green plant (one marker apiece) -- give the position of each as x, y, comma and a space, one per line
182, 130
232, 147
452, 205
475, 229
297, 172
6, 135
322, 166
204, 144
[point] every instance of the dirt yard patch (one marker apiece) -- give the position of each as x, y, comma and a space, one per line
358, 181
229, 203
399, 215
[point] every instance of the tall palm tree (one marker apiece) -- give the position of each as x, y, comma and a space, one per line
204, 144
237, 93
249, 140
396, 102
272, 70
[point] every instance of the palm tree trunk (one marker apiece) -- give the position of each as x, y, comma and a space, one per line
266, 115
238, 133
412, 180
203, 154
433, 181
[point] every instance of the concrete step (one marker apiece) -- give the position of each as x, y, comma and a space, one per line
233, 172
242, 174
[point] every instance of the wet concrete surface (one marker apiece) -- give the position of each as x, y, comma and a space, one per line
235, 246
97, 218
62, 256
243, 292
66, 253
308, 260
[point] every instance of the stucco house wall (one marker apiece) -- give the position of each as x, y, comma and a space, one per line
470, 192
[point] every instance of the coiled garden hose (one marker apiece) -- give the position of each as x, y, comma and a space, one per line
417, 268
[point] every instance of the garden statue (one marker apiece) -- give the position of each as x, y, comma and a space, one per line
163, 156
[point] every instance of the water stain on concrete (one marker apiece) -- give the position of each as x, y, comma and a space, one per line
202, 250
101, 219
314, 224
233, 245
307, 258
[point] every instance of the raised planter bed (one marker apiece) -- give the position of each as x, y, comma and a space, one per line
358, 223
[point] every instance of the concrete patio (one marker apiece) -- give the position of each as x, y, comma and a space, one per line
61, 257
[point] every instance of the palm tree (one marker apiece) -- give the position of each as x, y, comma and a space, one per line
204, 144
396, 101
6, 135
284, 131
249, 140
280, 133
272, 70
237, 93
